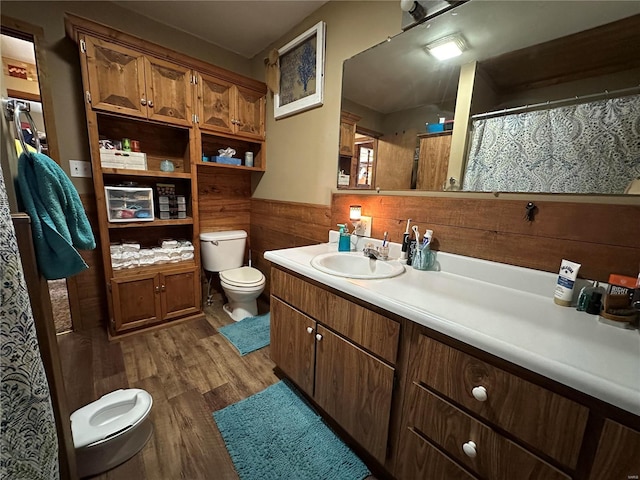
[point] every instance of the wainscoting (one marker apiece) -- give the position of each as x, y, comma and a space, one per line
276, 224
603, 238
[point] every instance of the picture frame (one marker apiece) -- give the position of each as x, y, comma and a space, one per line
301, 71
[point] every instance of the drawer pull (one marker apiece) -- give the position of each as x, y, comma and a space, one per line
479, 393
318, 337
309, 329
469, 449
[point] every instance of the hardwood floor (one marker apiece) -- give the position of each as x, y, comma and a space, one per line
189, 370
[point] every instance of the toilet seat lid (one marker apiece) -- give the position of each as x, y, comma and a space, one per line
243, 276
91, 423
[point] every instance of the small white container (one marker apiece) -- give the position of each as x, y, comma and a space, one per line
248, 159
129, 204
121, 159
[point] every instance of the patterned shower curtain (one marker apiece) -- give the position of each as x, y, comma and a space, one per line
587, 148
28, 439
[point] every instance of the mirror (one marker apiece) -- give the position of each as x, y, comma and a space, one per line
538, 59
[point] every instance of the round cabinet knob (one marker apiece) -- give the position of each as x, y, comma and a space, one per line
469, 449
309, 330
151, 103
480, 393
318, 337
143, 101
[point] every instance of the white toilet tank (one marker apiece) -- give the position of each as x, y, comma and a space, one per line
222, 250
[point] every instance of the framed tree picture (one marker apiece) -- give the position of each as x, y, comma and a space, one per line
301, 67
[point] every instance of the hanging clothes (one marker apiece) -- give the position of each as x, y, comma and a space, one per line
59, 222
28, 439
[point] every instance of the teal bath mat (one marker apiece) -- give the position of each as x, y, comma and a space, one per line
249, 334
276, 435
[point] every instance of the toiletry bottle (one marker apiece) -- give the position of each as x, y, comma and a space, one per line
585, 296
405, 242
344, 242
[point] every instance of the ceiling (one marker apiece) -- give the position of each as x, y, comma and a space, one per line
243, 27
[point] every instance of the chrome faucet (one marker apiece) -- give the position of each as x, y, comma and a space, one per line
376, 253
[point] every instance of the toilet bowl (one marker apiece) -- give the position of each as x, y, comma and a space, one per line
111, 430
242, 286
223, 253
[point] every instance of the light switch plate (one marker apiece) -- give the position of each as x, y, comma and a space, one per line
79, 168
363, 227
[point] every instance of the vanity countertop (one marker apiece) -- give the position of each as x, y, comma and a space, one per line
505, 310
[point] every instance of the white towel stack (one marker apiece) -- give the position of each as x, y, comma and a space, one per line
130, 255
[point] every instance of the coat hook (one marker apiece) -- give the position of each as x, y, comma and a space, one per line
531, 210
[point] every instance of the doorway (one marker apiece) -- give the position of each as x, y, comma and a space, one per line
20, 82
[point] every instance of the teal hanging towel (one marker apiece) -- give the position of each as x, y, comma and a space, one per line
58, 221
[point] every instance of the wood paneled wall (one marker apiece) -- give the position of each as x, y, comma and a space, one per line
276, 224
224, 199
87, 294
603, 238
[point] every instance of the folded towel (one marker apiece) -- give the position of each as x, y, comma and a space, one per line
58, 220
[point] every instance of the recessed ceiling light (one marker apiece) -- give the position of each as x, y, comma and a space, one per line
446, 47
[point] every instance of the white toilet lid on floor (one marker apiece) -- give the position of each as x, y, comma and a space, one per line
242, 277
91, 424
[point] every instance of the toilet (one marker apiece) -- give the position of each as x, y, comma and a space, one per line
223, 253
111, 430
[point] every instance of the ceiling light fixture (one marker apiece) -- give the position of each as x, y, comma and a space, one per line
446, 47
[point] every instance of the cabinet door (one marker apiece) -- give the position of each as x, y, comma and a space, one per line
293, 344
355, 389
249, 116
169, 92
618, 454
136, 301
180, 293
434, 162
347, 138
116, 78
215, 104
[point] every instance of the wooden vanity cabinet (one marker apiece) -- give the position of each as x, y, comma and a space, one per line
125, 81
230, 108
492, 423
339, 353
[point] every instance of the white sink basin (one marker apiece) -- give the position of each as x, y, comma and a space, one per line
356, 265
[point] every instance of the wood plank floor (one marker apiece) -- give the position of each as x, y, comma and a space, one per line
189, 370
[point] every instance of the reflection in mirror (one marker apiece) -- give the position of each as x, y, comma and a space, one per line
536, 58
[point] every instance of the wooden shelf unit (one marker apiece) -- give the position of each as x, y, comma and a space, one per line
177, 108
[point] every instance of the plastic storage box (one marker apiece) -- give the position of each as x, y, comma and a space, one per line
121, 159
129, 204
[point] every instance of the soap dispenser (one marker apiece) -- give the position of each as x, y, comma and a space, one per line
344, 243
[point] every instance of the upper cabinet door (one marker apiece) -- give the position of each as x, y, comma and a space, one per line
215, 104
249, 117
116, 78
169, 93
229, 108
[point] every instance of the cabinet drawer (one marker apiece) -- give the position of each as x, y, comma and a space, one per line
423, 460
495, 456
374, 332
618, 454
539, 417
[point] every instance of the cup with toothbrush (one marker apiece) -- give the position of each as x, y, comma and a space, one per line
423, 258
